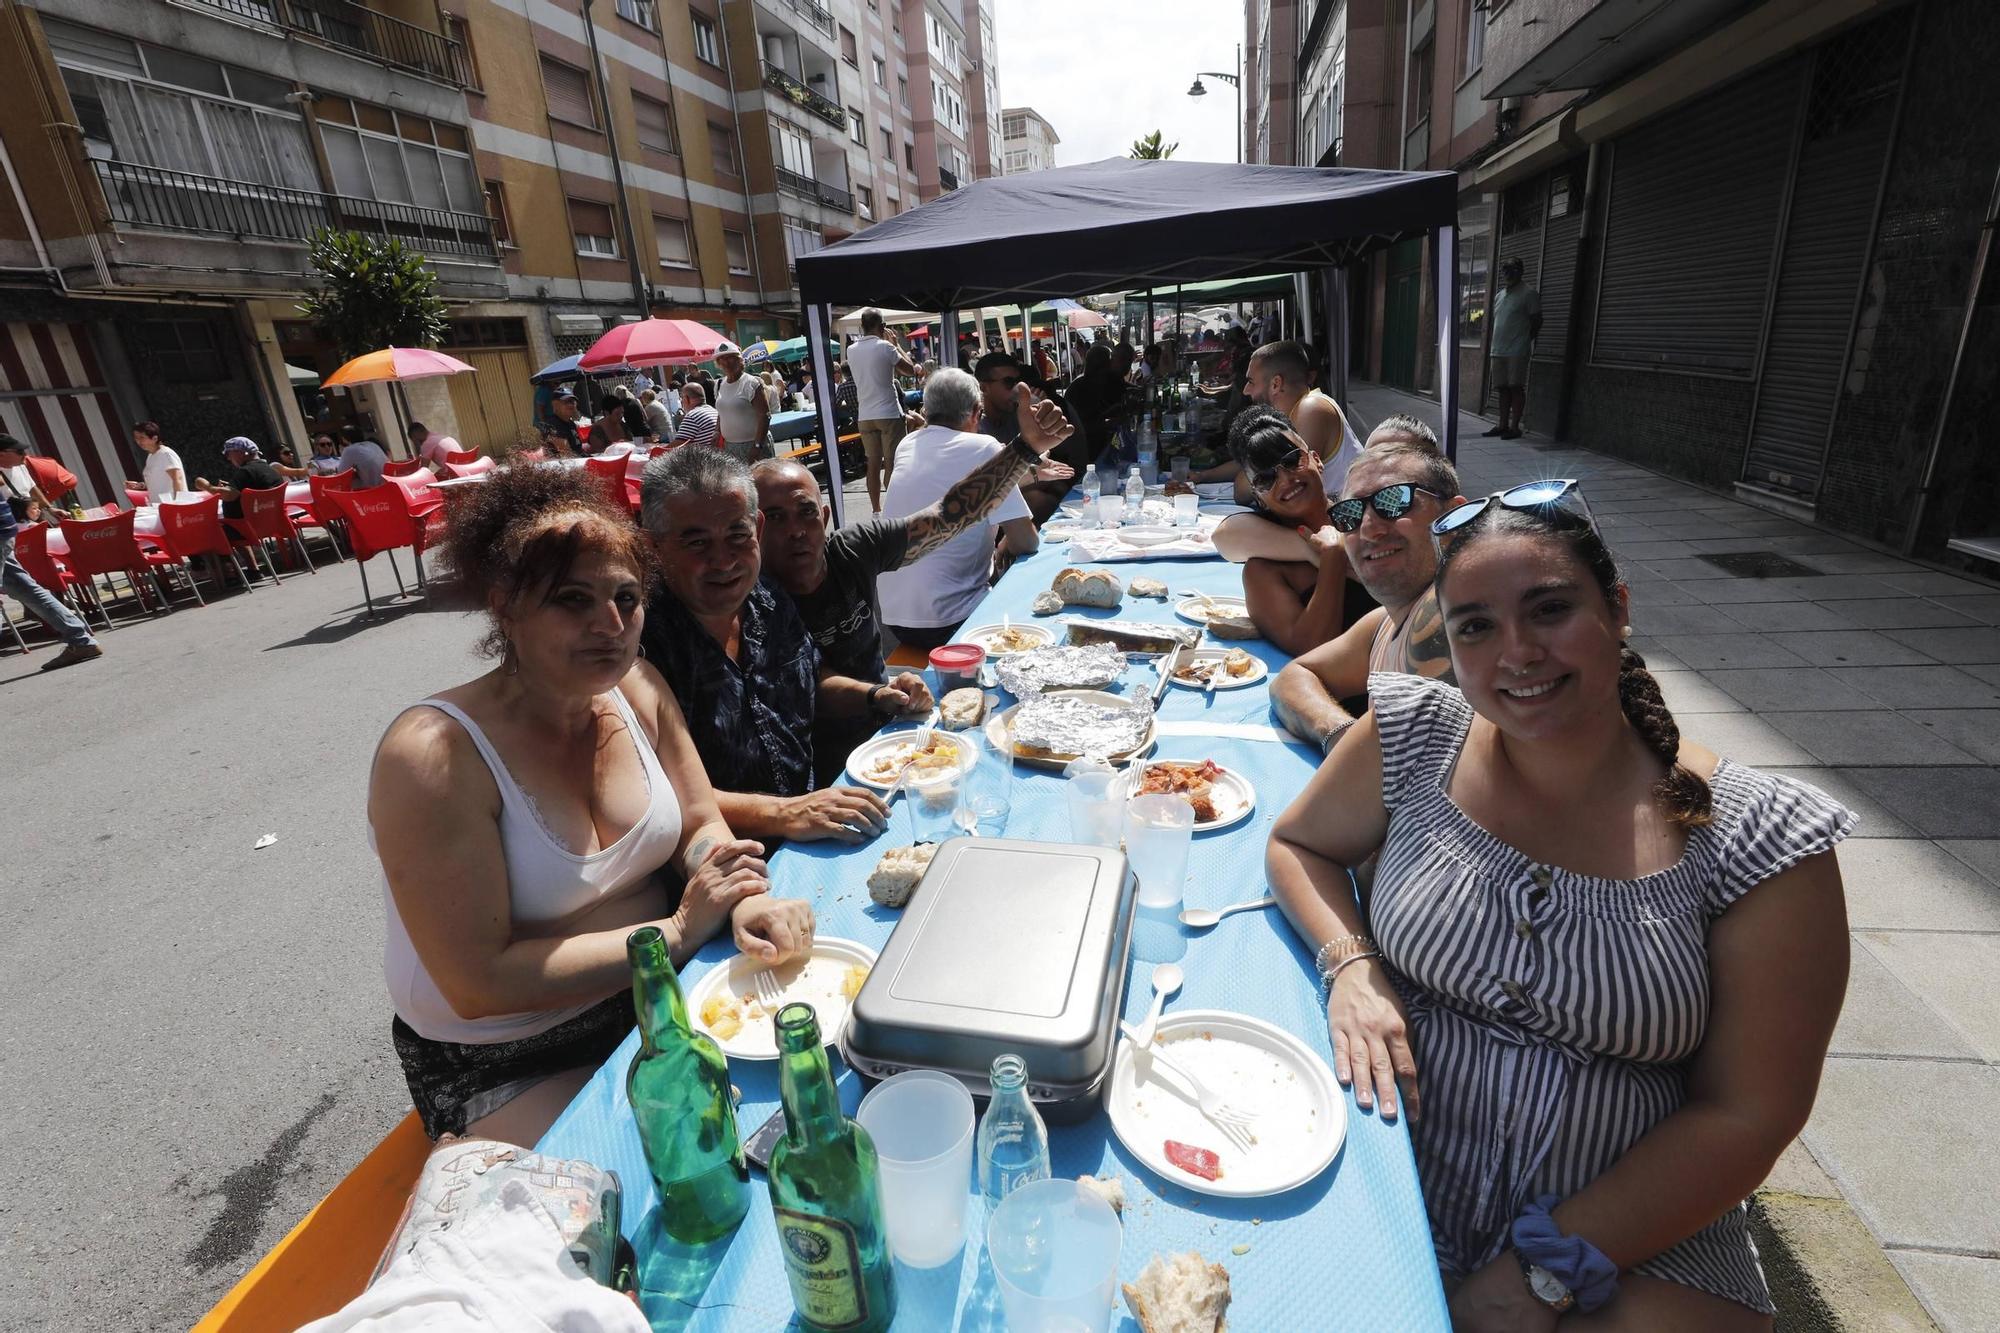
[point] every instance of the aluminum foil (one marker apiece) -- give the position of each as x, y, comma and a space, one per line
1133, 636
1059, 668
1064, 724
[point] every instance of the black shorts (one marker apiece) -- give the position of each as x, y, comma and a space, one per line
454, 1083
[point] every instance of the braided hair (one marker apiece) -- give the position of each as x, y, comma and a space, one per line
1683, 794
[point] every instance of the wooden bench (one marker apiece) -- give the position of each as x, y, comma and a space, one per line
326, 1260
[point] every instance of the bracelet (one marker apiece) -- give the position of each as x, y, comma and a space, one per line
1333, 737
1024, 451
1330, 977
873, 695
1359, 941
1584, 1269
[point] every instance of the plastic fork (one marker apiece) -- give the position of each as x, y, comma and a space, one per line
765, 985
1234, 1123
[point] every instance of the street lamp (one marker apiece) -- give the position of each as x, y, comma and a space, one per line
1234, 81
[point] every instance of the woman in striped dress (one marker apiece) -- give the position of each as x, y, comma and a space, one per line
1613, 1035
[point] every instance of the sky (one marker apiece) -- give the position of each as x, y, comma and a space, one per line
1106, 72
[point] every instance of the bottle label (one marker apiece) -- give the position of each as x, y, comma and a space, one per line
824, 1266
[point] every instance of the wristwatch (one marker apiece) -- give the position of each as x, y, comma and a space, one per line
1024, 451
1546, 1287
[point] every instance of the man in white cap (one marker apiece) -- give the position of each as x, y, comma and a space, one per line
740, 402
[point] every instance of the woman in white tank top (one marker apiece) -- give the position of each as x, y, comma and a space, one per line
527, 821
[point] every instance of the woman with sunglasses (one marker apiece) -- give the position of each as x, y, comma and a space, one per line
1612, 961
1296, 604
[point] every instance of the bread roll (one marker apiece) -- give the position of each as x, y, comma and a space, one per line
1180, 1294
1088, 587
1142, 586
1238, 663
1046, 603
898, 873
1111, 1189
963, 709
1231, 627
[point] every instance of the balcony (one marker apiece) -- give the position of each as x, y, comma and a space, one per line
947, 179
828, 110
180, 201
366, 32
813, 192
817, 15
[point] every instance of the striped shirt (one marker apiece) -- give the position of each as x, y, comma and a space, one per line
1554, 1015
700, 425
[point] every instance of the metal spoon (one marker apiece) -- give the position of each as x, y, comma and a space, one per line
1166, 980
1201, 918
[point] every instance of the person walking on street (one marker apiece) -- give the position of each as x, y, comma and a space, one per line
873, 362
1517, 319
740, 402
43, 605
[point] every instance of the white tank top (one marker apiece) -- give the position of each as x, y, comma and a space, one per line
546, 883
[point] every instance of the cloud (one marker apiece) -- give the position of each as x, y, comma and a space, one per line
1106, 72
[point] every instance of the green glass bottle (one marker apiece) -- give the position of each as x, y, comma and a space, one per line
826, 1193
679, 1089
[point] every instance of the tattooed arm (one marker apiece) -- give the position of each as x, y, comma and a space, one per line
1043, 427
1426, 650
1307, 693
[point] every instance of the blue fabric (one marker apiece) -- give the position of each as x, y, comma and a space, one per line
1591, 1277
1354, 1240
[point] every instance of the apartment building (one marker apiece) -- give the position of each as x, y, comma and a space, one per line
1271, 82
1028, 139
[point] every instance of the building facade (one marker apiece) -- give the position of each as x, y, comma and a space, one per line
1028, 142
1271, 45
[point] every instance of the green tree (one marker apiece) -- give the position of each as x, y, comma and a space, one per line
1151, 147
372, 293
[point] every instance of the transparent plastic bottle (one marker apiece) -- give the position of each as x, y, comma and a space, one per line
1135, 491
1013, 1141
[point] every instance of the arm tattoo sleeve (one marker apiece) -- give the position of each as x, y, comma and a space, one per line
966, 503
1428, 652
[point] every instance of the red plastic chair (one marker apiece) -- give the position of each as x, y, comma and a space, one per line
459, 457
401, 467
195, 528
105, 546
31, 548
380, 520
134, 499
474, 466
320, 514
266, 518
611, 472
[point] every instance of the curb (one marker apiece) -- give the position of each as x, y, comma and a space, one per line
1826, 1271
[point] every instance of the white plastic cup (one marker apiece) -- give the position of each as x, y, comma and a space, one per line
1187, 510
1158, 828
922, 1124
1054, 1247
1096, 797
1181, 465
1111, 509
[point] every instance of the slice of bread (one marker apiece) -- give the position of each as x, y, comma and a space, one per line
898, 873
1111, 1189
1180, 1293
962, 709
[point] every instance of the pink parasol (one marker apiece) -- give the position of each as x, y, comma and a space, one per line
653, 342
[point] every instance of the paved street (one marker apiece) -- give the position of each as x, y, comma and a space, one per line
197, 1040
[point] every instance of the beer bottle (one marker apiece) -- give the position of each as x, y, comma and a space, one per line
679, 1089
826, 1193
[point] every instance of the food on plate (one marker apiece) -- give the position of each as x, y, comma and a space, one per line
1132, 635
1234, 664
1046, 603
820, 981
1195, 1161
1013, 639
1088, 587
898, 873
925, 759
1173, 488
852, 980
1180, 1293
1238, 663
1196, 782
1111, 1189
724, 1014
1145, 587
1225, 626
1050, 726
962, 709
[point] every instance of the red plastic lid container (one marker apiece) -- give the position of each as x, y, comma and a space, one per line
957, 664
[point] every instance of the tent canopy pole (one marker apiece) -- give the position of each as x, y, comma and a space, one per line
818, 322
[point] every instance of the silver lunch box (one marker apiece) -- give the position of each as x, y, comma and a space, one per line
1006, 946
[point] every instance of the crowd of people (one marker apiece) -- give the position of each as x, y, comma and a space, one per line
1556, 968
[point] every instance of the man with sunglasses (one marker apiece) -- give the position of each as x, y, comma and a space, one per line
999, 416
1400, 485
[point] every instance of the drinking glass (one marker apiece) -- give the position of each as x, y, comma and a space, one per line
1181, 468
986, 788
1187, 511
933, 805
922, 1124
1096, 797
1054, 1247
1158, 830
1111, 508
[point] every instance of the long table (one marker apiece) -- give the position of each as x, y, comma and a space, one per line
1350, 1249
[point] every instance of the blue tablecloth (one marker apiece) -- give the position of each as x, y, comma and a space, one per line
1350, 1249
793, 425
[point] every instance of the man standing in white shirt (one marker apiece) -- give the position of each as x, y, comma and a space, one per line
740, 402
873, 362
925, 602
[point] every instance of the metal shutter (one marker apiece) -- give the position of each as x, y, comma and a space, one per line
1558, 275
1848, 123
568, 91
1691, 228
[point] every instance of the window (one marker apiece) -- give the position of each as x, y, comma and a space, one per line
455, 29
910, 156
881, 74
704, 40
857, 128
849, 51
496, 208
865, 199
903, 91
1475, 38
639, 12
722, 149
737, 247
568, 91
800, 239
888, 147
795, 152
1421, 68
671, 241
656, 126
590, 224
376, 153
181, 351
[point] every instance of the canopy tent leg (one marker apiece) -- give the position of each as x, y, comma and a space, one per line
948, 345
1337, 334
1447, 290
818, 322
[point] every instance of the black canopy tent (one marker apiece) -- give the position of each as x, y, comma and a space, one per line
1127, 223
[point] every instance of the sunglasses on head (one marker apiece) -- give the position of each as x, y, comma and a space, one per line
1391, 502
1531, 495
1264, 478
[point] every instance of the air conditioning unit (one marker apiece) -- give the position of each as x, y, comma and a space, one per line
571, 326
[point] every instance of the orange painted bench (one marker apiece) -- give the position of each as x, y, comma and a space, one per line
326, 1260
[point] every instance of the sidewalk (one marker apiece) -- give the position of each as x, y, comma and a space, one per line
1877, 680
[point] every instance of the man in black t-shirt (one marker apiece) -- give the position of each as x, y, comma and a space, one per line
831, 577
247, 471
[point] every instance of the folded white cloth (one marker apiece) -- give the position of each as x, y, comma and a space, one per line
504, 1269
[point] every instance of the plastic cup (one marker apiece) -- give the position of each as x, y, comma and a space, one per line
1187, 510
1054, 1247
1158, 829
1096, 799
1111, 509
986, 791
1181, 465
922, 1124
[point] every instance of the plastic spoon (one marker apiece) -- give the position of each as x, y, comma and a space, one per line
1166, 980
1201, 918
